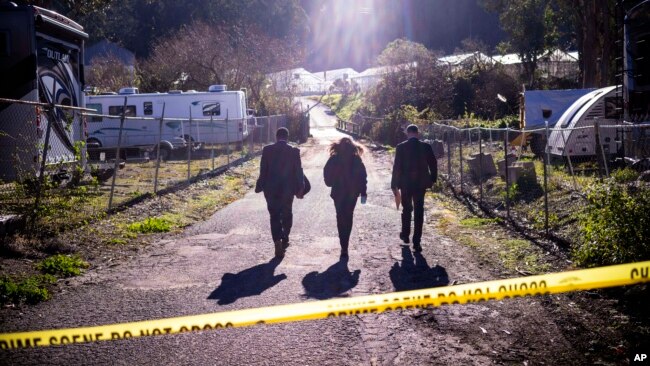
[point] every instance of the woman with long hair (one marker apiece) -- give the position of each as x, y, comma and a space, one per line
346, 174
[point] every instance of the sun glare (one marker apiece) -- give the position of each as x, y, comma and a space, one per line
350, 27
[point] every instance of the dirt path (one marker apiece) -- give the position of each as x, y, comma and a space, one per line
226, 263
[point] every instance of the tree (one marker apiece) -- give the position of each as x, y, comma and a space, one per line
472, 45
527, 24
594, 30
139, 24
402, 52
416, 79
109, 74
238, 56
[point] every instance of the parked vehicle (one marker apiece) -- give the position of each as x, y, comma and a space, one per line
41, 60
599, 106
213, 117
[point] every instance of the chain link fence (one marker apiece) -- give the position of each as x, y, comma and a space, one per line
86, 163
536, 179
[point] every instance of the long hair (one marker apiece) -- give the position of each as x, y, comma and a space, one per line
345, 148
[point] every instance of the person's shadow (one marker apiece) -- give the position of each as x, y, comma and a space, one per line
415, 273
336, 280
249, 282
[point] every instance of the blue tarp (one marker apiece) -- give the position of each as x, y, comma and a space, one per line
557, 101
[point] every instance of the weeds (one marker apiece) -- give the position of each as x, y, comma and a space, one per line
511, 194
518, 254
150, 225
539, 221
478, 221
30, 290
62, 265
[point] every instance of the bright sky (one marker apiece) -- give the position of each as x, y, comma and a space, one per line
355, 28
351, 33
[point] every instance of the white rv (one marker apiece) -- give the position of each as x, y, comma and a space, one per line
213, 117
574, 134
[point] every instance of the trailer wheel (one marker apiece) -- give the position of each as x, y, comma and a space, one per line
165, 152
92, 147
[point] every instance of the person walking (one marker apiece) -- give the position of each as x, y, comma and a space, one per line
415, 169
281, 177
346, 174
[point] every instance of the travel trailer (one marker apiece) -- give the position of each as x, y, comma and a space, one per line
600, 105
217, 116
41, 60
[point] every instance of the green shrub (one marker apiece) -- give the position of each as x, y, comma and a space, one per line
62, 265
31, 290
615, 226
512, 194
150, 225
625, 175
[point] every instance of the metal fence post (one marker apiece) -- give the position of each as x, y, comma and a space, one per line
448, 156
480, 166
41, 178
189, 145
117, 154
83, 129
599, 147
160, 128
460, 158
268, 129
227, 139
214, 139
568, 156
505, 150
548, 157
240, 134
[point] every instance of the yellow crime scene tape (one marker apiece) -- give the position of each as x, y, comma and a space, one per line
586, 279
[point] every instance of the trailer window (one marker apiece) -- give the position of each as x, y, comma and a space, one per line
148, 108
98, 110
4, 43
212, 109
116, 110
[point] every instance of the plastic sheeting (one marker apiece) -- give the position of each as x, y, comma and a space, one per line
557, 101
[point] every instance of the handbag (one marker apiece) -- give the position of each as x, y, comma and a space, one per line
306, 190
307, 186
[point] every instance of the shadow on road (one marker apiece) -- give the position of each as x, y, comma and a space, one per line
249, 282
336, 280
415, 273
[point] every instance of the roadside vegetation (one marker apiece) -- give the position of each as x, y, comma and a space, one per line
30, 266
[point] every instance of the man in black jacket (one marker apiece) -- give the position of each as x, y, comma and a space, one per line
415, 169
281, 178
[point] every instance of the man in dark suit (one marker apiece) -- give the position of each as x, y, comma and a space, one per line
281, 178
415, 169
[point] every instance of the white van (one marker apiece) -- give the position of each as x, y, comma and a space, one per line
213, 117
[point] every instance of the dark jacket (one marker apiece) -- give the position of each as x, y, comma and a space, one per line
280, 170
415, 165
347, 178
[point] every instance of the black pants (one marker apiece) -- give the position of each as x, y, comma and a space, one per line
344, 213
281, 216
413, 200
